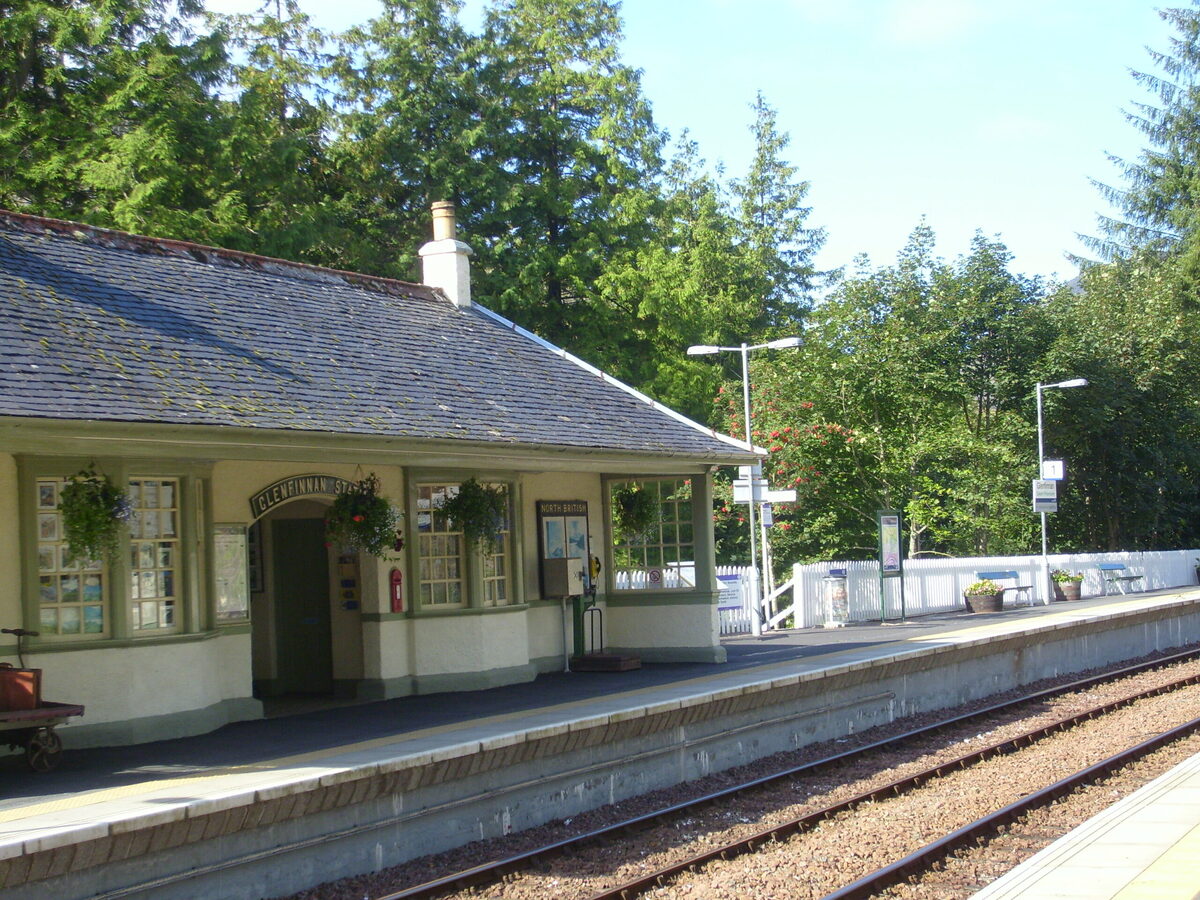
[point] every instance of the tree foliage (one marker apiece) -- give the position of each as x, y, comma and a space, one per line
1133, 435
905, 395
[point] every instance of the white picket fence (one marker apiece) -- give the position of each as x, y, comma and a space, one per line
936, 585
735, 604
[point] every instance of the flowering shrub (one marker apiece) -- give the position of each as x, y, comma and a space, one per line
1062, 576
986, 586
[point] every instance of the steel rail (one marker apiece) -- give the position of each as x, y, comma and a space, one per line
895, 788
494, 871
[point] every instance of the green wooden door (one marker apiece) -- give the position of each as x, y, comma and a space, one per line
304, 661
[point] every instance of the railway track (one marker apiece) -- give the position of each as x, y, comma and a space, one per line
478, 878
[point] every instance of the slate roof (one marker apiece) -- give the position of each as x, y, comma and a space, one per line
101, 325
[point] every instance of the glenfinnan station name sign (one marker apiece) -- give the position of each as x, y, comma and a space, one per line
298, 486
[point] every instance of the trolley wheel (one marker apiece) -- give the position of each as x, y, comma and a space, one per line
43, 751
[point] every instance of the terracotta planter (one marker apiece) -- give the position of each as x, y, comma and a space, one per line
1067, 590
984, 603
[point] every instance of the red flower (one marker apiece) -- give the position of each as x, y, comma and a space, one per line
358, 518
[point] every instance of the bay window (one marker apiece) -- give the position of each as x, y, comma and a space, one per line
451, 574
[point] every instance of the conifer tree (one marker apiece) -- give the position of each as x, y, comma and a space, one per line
571, 152
409, 127
1161, 197
773, 219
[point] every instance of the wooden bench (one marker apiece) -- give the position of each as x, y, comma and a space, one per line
1021, 590
1114, 574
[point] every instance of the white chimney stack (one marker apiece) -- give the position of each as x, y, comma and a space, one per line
445, 260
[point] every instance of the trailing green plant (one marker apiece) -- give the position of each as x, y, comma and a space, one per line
361, 519
479, 511
634, 510
986, 586
1062, 576
93, 509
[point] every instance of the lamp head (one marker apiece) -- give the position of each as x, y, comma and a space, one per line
1074, 382
784, 343
702, 350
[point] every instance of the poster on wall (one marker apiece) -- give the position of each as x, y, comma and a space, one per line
231, 572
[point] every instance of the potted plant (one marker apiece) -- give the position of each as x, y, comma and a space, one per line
984, 596
360, 519
92, 509
1066, 584
480, 512
634, 510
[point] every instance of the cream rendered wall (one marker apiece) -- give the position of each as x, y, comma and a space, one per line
386, 649
10, 549
671, 627
132, 682
447, 645
546, 631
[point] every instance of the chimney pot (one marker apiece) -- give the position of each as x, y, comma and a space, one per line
444, 226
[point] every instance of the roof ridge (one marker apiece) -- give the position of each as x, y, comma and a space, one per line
615, 382
173, 247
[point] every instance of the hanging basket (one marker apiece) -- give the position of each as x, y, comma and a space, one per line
360, 519
480, 512
634, 510
93, 509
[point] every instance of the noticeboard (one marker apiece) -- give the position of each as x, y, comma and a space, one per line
231, 572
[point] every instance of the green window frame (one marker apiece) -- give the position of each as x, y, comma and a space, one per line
450, 574
662, 557
153, 585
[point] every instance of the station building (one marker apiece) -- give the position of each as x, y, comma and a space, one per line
233, 397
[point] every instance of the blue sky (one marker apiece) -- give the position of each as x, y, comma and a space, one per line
974, 114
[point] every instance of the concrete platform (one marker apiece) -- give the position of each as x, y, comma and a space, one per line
1146, 847
266, 808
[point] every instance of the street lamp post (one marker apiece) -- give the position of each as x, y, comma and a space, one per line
744, 349
1047, 588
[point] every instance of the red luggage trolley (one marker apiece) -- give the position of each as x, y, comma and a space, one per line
26, 720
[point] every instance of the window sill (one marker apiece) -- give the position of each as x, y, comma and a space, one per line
109, 643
